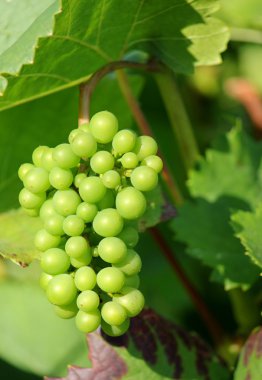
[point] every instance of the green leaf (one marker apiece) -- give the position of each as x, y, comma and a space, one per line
33, 338
181, 33
249, 366
232, 168
205, 228
153, 348
21, 25
248, 226
17, 231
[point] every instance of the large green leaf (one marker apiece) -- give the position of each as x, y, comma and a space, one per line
248, 226
206, 230
153, 349
249, 366
33, 338
21, 24
17, 231
90, 34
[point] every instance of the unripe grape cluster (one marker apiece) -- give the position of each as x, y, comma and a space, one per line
89, 193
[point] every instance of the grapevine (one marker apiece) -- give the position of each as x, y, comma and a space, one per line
90, 193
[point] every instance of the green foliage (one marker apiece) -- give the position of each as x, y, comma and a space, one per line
180, 33
227, 179
17, 232
250, 364
248, 229
32, 336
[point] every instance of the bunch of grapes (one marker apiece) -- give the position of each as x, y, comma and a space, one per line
89, 195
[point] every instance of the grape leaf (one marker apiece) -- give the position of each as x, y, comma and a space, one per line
248, 226
249, 366
181, 33
205, 228
232, 168
33, 338
21, 26
157, 210
17, 232
166, 350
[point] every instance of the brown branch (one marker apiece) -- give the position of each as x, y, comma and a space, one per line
212, 325
87, 88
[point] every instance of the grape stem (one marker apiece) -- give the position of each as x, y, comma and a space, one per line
214, 328
87, 88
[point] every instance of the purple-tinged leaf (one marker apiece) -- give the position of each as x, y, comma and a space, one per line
154, 349
250, 362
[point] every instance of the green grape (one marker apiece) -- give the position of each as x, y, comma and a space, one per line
108, 201
64, 156
92, 189
44, 240
130, 236
47, 209
36, 180
132, 281
30, 200
131, 299
85, 278
110, 280
31, 211
84, 144
111, 179
38, 155
60, 179
47, 160
24, 169
61, 290
73, 225
66, 311
78, 179
124, 141
115, 330
88, 322
77, 246
55, 261
54, 224
88, 301
103, 126
65, 202
73, 134
86, 211
129, 160
153, 162
131, 264
84, 127
112, 250
113, 313
82, 260
94, 251
102, 161
108, 223
145, 146
144, 178
130, 203
44, 280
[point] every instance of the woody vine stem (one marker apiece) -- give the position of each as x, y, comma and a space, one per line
189, 151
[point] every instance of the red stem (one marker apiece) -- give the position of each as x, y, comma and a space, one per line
211, 323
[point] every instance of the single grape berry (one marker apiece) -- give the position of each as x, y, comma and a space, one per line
103, 126
102, 161
110, 280
65, 202
85, 278
83, 144
92, 190
88, 300
77, 246
113, 313
60, 179
88, 322
112, 250
115, 331
61, 290
108, 222
55, 261
124, 141
130, 203
64, 156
